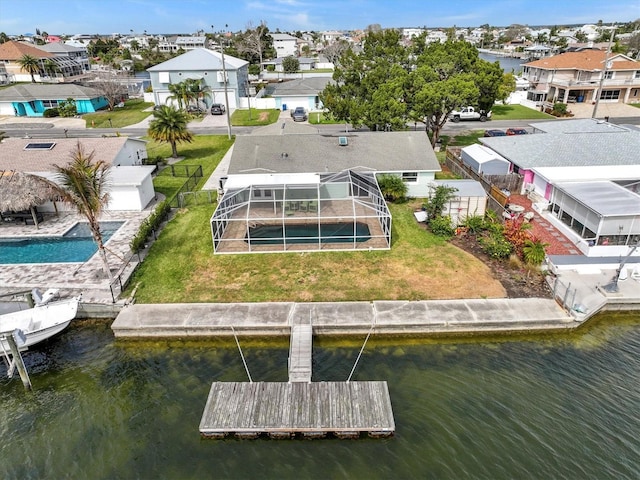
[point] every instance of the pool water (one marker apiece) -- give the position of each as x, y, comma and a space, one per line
75, 246
308, 233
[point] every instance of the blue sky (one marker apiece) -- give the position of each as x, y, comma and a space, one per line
186, 16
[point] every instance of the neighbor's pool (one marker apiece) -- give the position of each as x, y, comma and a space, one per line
308, 233
75, 246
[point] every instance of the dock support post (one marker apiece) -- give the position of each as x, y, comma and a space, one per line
566, 296
17, 360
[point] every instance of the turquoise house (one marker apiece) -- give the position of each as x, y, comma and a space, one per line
31, 100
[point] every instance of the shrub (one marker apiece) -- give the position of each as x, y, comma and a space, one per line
560, 108
442, 226
438, 199
392, 187
495, 245
51, 112
533, 251
149, 226
475, 224
254, 69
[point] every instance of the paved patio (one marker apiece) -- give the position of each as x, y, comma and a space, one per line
72, 279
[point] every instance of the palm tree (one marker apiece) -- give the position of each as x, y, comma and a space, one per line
178, 93
170, 126
198, 89
30, 64
83, 183
50, 67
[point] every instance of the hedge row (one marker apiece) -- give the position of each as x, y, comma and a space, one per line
149, 226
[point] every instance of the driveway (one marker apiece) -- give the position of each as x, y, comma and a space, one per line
612, 110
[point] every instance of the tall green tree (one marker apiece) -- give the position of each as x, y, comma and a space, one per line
180, 93
30, 64
197, 89
170, 126
290, 64
83, 183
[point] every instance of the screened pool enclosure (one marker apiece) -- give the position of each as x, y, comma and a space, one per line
301, 212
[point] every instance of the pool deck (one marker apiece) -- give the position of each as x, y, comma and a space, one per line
72, 279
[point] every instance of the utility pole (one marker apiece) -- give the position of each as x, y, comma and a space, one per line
604, 72
226, 93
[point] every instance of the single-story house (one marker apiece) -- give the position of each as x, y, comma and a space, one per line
32, 99
302, 92
483, 160
311, 192
130, 182
305, 64
204, 65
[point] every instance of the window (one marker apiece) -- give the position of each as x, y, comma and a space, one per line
410, 177
50, 103
636, 75
610, 95
608, 75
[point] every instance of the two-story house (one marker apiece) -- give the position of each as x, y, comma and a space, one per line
578, 76
285, 45
204, 65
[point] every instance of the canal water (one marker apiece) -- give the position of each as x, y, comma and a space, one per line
508, 64
563, 406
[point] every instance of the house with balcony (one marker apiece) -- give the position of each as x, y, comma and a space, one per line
204, 65
584, 76
285, 45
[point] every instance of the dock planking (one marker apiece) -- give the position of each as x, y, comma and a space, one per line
282, 410
300, 353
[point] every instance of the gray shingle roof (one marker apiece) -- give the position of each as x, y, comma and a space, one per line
372, 151
199, 59
43, 91
569, 150
579, 125
298, 87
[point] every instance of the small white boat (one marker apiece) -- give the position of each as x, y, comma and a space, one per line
40, 322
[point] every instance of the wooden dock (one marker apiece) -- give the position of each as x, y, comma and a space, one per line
300, 353
283, 410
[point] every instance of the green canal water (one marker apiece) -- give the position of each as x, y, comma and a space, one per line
552, 407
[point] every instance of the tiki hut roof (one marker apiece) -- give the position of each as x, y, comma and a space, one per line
22, 191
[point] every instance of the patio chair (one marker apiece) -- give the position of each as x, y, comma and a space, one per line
303, 206
287, 209
313, 206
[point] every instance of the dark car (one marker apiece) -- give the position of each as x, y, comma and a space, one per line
494, 133
299, 115
194, 109
516, 131
217, 109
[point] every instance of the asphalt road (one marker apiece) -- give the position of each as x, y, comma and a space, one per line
450, 128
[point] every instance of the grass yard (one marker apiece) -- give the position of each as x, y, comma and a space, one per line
204, 150
181, 267
319, 118
517, 112
240, 118
130, 114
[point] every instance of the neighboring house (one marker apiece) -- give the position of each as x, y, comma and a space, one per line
576, 77
584, 172
69, 58
32, 99
285, 45
310, 192
11, 52
301, 92
205, 65
175, 42
484, 161
307, 64
130, 183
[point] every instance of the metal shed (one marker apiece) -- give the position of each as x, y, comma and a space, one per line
485, 161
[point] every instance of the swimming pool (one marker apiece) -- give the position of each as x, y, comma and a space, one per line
75, 246
308, 233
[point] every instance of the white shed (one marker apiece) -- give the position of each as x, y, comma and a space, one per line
130, 188
470, 200
484, 161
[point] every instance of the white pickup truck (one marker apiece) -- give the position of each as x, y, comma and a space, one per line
469, 113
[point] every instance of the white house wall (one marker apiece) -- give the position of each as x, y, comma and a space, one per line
132, 153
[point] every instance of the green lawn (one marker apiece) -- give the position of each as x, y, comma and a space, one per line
204, 150
517, 112
637, 105
319, 118
240, 118
130, 114
181, 267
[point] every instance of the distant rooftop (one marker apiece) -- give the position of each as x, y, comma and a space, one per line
579, 125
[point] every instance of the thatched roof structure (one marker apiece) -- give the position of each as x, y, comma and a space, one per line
22, 191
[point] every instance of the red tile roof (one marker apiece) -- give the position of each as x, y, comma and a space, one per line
584, 60
13, 50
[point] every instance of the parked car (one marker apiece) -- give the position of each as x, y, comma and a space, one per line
299, 115
195, 109
516, 131
494, 133
217, 109
469, 113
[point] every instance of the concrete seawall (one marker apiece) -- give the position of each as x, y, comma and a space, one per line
345, 318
